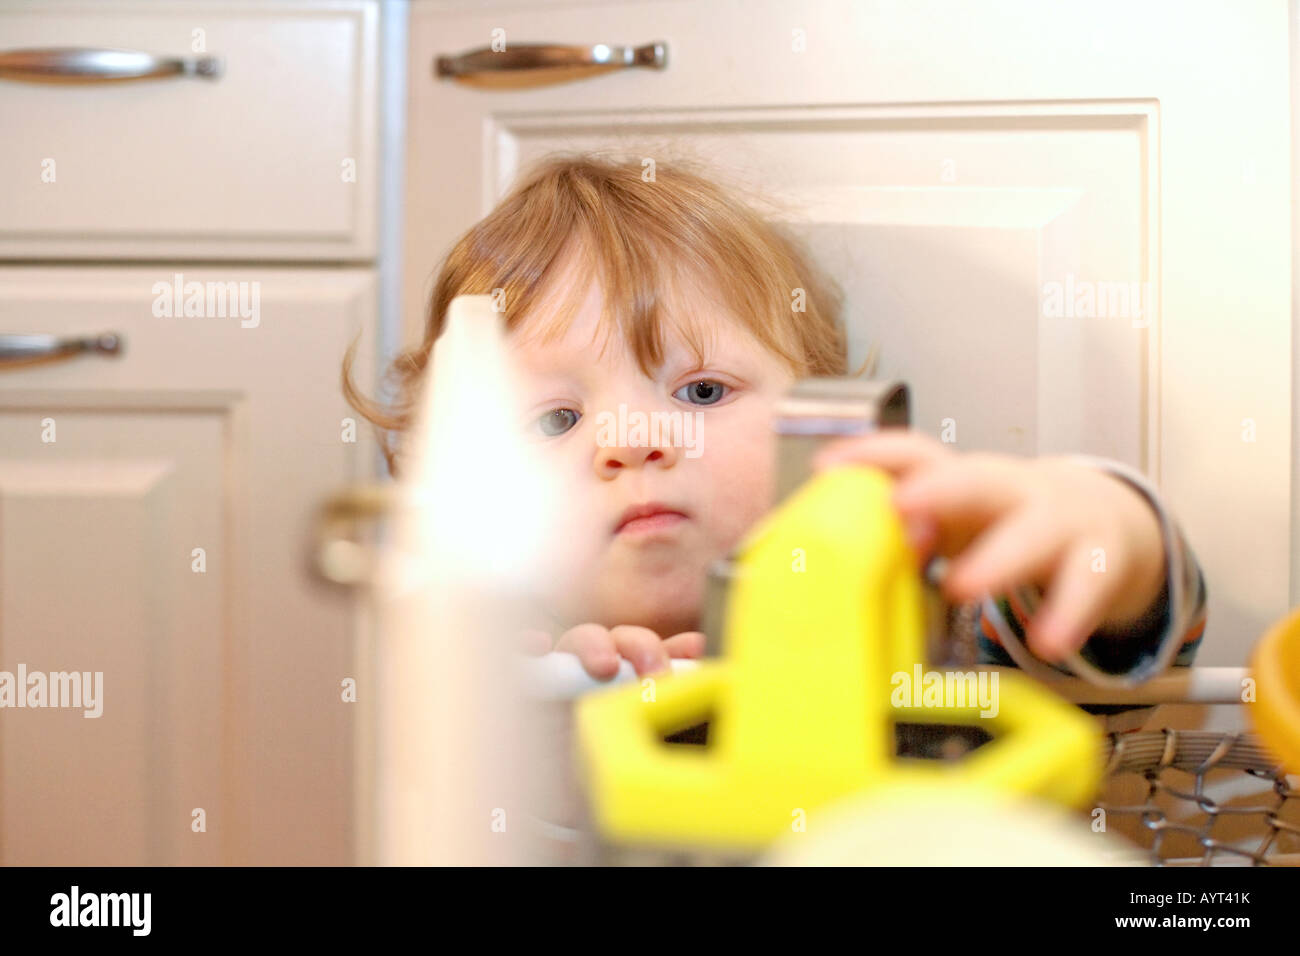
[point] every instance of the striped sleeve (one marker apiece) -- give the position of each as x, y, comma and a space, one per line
1169, 634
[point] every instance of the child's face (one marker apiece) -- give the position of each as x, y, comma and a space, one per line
715, 472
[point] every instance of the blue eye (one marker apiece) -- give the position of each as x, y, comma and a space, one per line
703, 392
557, 421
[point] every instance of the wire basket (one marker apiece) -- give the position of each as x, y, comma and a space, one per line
1201, 798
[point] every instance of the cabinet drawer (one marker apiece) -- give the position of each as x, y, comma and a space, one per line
275, 157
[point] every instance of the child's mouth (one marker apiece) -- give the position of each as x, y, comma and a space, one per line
659, 522
648, 519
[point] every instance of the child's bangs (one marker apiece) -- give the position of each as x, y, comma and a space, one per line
653, 293
643, 301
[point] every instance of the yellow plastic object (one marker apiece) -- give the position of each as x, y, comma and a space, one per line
825, 610
1275, 665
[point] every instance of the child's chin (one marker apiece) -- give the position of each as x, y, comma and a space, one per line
666, 609
666, 613
666, 596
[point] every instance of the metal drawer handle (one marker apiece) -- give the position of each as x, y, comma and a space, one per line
86, 65
32, 349
547, 62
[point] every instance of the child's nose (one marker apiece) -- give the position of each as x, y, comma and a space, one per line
610, 460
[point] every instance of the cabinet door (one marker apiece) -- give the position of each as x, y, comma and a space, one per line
274, 158
1066, 225
155, 509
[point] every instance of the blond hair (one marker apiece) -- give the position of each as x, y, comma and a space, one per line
640, 237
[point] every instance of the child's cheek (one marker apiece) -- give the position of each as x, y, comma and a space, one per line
739, 471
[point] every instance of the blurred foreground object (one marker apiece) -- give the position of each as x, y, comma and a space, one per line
954, 826
824, 613
452, 768
1275, 666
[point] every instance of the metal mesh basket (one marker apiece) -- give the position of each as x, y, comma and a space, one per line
1201, 798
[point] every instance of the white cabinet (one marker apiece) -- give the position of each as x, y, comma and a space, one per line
155, 510
157, 505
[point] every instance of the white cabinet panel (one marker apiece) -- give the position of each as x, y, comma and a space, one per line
222, 686
945, 273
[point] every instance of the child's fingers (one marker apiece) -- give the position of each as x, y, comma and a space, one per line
1021, 548
593, 645
895, 450
687, 644
1072, 608
642, 646
534, 642
962, 495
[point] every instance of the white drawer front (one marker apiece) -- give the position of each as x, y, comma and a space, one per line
275, 158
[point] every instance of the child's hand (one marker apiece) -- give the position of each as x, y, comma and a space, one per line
599, 648
1007, 521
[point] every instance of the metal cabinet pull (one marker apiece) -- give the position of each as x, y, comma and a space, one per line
534, 63
88, 65
32, 349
